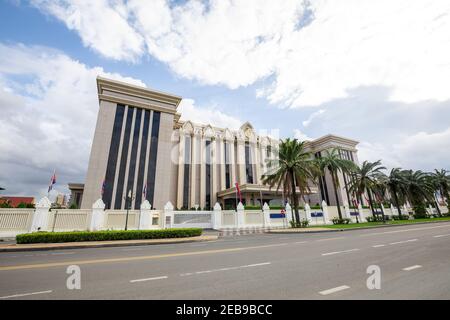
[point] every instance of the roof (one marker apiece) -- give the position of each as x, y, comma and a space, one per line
16, 200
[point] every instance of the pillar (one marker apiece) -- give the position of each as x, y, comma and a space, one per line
41, 215
145, 215
98, 216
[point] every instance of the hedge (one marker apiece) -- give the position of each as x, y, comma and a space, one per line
77, 236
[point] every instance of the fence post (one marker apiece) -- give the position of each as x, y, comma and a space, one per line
168, 213
392, 210
240, 219
41, 214
308, 212
325, 212
266, 213
98, 216
144, 215
217, 217
288, 214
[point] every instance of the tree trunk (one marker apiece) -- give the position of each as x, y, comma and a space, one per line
396, 203
333, 178
295, 199
371, 202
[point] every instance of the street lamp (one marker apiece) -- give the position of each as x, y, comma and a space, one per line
128, 200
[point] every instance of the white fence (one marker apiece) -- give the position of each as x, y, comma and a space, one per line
16, 221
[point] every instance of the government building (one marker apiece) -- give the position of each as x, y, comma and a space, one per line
142, 150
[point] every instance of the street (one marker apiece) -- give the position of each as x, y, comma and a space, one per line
414, 262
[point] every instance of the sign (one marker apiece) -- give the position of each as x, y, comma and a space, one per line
316, 214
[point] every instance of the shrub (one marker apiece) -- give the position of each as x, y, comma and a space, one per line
73, 206
336, 220
377, 218
302, 224
401, 217
420, 212
77, 236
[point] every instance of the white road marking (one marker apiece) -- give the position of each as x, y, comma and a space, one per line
25, 294
405, 241
298, 242
441, 235
412, 267
378, 245
226, 269
149, 279
330, 239
333, 290
336, 252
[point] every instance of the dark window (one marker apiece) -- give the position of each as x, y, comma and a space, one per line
123, 159
187, 171
112, 156
133, 156
152, 157
208, 174
142, 157
248, 165
227, 165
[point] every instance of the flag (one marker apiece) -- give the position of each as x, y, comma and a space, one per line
238, 192
103, 186
52, 181
144, 192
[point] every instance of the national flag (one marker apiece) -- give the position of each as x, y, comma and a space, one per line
52, 181
103, 186
238, 192
144, 192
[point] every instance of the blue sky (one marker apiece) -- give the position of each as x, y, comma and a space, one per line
359, 69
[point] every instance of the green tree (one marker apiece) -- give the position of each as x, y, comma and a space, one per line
366, 180
441, 182
419, 189
396, 184
333, 162
293, 167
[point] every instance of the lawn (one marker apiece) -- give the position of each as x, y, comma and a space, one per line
376, 224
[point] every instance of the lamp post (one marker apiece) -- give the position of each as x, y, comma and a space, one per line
128, 200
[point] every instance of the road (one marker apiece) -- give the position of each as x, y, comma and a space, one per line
414, 262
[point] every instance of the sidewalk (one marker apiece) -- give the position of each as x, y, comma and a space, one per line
12, 247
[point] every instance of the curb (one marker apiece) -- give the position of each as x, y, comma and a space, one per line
354, 229
84, 245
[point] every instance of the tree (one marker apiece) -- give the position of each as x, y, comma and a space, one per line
292, 169
365, 180
441, 182
333, 162
396, 184
419, 189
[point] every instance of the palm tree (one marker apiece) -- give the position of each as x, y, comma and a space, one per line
419, 189
333, 162
366, 180
396, 184
441, 181
291, 169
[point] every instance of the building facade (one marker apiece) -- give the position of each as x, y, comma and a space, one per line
142, 150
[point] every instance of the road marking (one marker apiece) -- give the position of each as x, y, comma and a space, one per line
330, 239
412, 267
149, 279
225, 269
25, 294
404, 230
378, 245
298, 242
441, 235
135, 258
336, 252
405, 241
333, 290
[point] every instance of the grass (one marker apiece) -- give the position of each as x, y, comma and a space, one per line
376, 224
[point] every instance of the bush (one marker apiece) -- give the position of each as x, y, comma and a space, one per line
336, 220
302, 224
401, 217
77, 236
378, 218
420, 212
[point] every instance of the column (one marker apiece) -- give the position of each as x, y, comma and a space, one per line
213, 170
241, 161
194, 163
256, 161
217, 217
266, 212
41, 215
180, 169
233, 163
222, 163
98, 216
202, 172
144, 216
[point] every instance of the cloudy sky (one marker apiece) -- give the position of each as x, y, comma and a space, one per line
374, 71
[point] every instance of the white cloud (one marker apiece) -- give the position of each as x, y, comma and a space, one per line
298, 134
43, 93
314, 52
207, 115
313, 116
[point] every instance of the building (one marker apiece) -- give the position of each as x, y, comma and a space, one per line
76, 194
15, 201
60, 200
141, 148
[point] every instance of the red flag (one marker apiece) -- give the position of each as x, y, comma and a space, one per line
52, 181
238, 192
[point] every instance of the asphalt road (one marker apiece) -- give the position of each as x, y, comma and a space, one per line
414, 262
